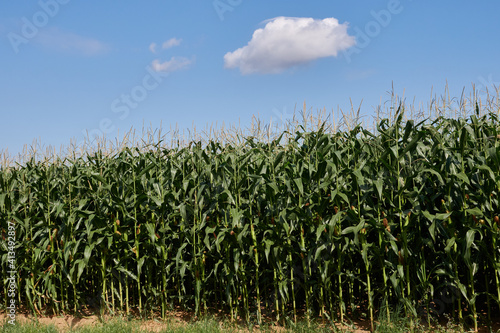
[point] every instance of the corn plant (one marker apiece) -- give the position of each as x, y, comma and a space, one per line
326, 223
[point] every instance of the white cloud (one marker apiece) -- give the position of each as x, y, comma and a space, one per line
166, 44
285, 42
171, 43
152, 47
172, 65
56, 39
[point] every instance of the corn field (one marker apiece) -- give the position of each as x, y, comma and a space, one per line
312, 223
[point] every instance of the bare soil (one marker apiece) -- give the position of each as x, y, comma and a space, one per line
65, 323
68, 322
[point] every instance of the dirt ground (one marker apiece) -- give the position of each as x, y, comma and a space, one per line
67, 322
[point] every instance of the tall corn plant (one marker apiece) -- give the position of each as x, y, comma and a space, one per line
330, 224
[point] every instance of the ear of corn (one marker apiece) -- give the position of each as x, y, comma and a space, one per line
321, 222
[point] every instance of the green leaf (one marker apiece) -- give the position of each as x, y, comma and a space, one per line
318, 252
449, 244
319, 230
269, 243
435, 173
463, 177
378, 185
300, 187
474, 211
488, 170
87, 253
432, 231
359, 177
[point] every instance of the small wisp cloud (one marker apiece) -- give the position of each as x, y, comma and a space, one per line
171, 43
165, 45
287, 42
63, 41
172, 65
152, 47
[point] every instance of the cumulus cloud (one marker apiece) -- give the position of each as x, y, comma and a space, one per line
56, 39
172, 65
286, 42
171, 43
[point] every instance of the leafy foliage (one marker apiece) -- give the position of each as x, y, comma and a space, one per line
325, 223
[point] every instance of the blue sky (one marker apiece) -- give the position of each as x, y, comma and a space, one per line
72, 66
